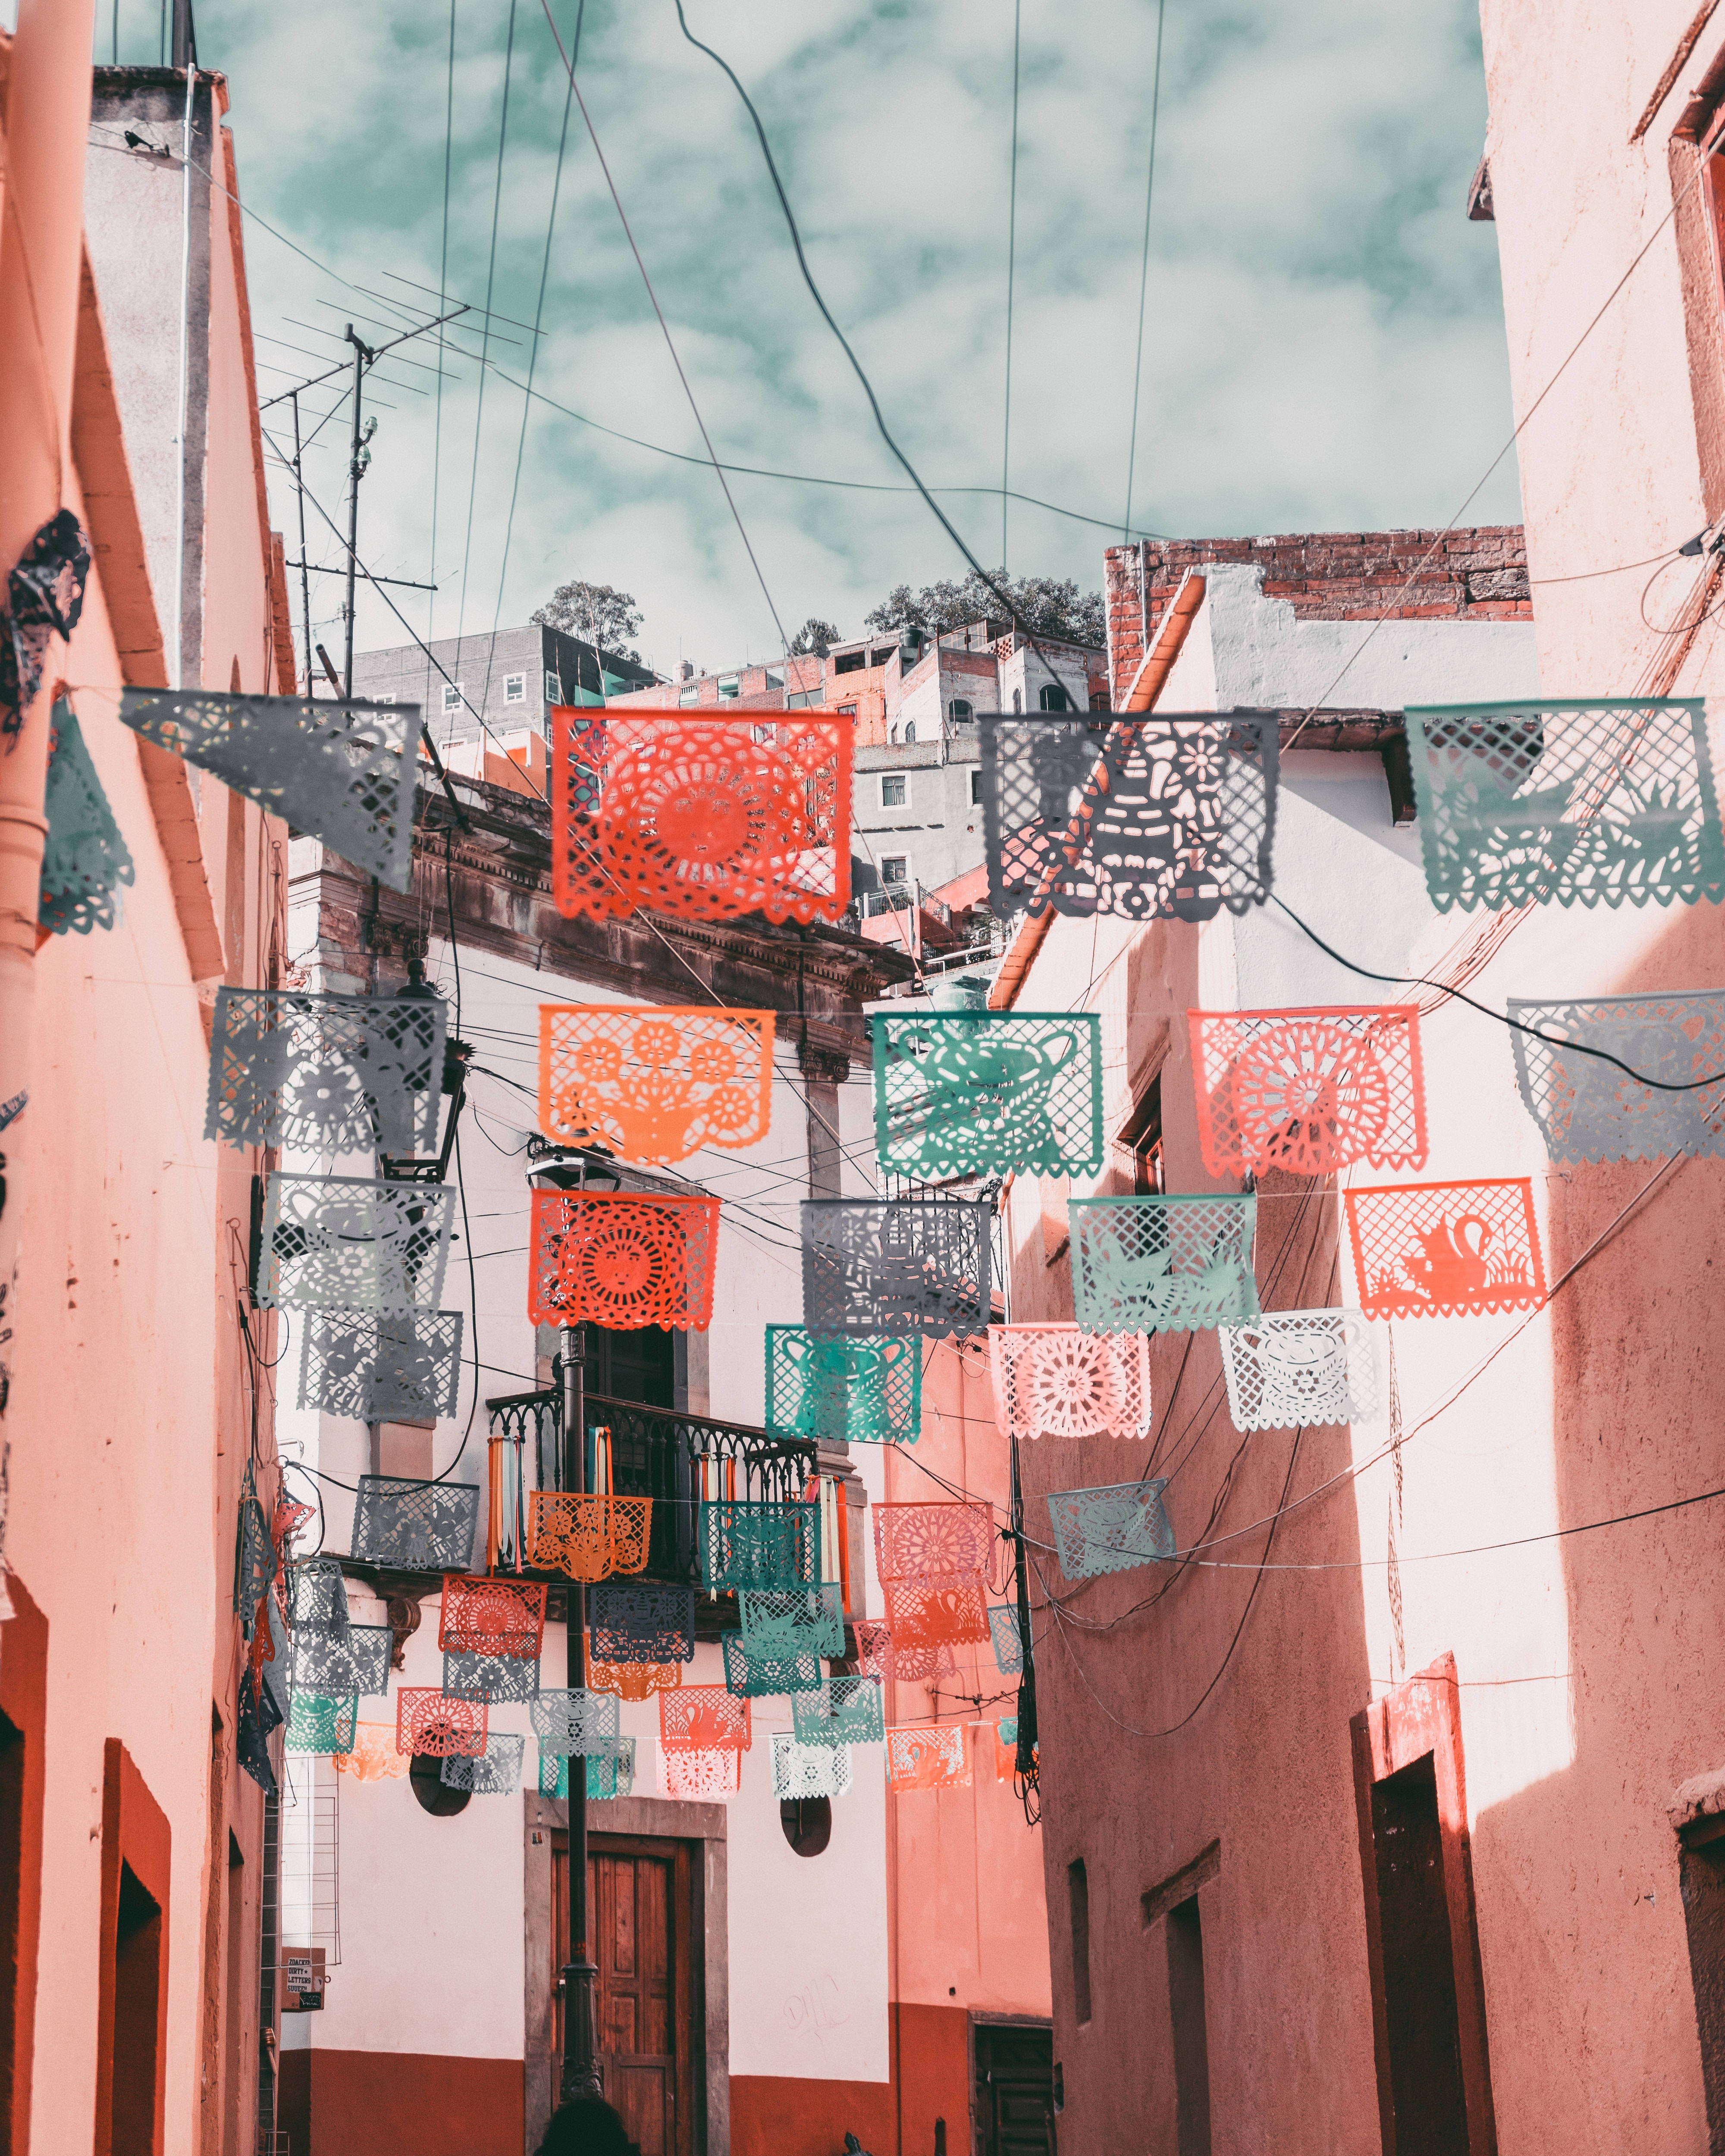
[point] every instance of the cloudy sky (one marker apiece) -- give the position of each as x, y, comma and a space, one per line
1324, 345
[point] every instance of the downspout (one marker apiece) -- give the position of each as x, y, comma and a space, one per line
179, 680
47, 129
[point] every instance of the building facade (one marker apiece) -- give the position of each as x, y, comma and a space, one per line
138, 2006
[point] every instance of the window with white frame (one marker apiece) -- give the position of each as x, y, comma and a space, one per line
554, 688
690, 695
515, 688
895, 789
452, 693
975, 789
730, 687
895, 868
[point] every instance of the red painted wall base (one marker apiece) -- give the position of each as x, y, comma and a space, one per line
332, 2103
775, 2116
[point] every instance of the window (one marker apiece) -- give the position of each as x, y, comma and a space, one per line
807, 1824
692, 694
515, 688
729, 687
1142, 1137
850, 662
452, 693
895, 789
554, 688
1185, 2006
1018, 700
389, 698
975, 789
1055, 699
847, 711
895, 868
879, 658
959, 711
1078, 1900
911, 732
775, 681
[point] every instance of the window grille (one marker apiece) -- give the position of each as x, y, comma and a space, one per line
311, 1881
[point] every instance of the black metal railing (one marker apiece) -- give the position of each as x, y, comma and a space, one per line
660, 1453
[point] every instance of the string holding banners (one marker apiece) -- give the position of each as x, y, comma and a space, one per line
1439, 1249
344, 772
623, 1260
342, 1242
344, 1074
698, 818
1590, 801
654, 1083
896, 1265
1293, 1368
1309, 1091
1162, 1264
1114, 1529
1589, 1110
986, 1093
1172, 817
1058, 1381
382, 1365
850, 1391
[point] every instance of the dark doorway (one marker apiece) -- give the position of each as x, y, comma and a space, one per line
1423, 2028
640, 1914
137, 1983
1014, 2088
1192, 2049
1700, 1871
639, 1365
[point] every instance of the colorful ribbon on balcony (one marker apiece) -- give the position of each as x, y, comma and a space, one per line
654, 1083
896, 1265
1588, 1109
1056, 1381
848, 1392
1162, 1264
623, 1260
415, 1526
1438, 1249
428, 1723
1170, 817
698, 818
343, 1242
1291, 1369
587, 1537
1590, 801
343, 771
341, 1074
492, 1616
985, 1093
1309, 1091
927, 1756
1114, 1529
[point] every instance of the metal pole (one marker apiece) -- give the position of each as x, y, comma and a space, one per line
354, 470
304, 579
581, 2073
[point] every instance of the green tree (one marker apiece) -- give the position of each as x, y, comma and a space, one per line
815, 635
597, 613
1046, 606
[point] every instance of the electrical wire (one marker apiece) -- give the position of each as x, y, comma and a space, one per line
1012, 239
443, 280
1131, 454
479, 417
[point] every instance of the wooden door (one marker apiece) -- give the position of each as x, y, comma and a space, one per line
1014, 2090
639, 1915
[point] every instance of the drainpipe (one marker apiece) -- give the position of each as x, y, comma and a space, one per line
41, 248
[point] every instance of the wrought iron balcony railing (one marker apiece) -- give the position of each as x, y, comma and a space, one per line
674, 1458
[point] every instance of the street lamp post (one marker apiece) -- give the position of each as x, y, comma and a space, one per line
581, 2072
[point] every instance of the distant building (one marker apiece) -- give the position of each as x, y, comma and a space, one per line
509, 680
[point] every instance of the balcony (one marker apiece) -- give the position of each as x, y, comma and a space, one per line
659, 1453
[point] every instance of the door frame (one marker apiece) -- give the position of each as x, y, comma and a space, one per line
656, 1823
976, 2020
685, 2045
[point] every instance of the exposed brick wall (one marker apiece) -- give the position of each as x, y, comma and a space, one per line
1476, 573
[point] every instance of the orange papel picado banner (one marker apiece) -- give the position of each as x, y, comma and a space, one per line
655, 1084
